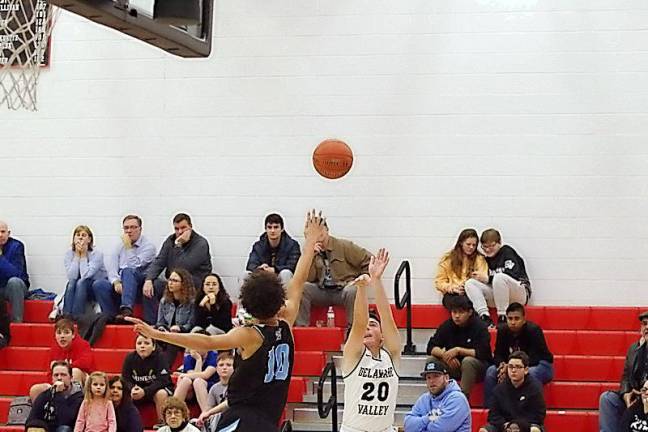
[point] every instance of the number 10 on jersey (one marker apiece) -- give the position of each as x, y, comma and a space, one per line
278, 363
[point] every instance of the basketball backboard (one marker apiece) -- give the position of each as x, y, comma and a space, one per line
149, 21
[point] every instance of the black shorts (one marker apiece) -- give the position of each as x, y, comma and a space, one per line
244, 419
147, 399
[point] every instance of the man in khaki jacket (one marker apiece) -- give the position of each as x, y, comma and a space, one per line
337, 263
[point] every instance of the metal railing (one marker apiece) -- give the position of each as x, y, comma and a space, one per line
286, 426
405, 302
331, 406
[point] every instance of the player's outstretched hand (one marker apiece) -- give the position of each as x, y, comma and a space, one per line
314, 229
378, 263
362, 280
141, 327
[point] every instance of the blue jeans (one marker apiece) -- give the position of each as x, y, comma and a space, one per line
611, 408
110, 302
543, 372
14, 292
151, 305
132, 283
102, 291
64, 428
77, 294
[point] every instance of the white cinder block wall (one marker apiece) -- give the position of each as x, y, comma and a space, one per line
529, 116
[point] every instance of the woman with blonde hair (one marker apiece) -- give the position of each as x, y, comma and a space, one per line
462, 263
84, 266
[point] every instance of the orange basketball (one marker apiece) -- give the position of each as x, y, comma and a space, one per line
332, 158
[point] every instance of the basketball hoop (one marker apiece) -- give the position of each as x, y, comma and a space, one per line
25, 27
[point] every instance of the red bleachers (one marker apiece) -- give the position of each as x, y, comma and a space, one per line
547, 317
564, 395
18, 383
586, 342
587, 368
589, 345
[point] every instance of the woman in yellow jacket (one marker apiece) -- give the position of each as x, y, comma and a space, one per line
462, 263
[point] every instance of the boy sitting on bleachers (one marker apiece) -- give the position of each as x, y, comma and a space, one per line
198, 376
519, 397
146, 372
218, 393
70, 347
519, 335
508, 281
463, 343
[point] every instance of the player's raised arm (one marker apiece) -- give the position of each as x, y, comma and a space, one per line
391, 335
354, 346
235, 338
314, 230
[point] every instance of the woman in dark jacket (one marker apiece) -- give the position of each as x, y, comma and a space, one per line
213, 312
128, 417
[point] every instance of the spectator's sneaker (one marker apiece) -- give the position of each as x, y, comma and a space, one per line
487, 320
123, 313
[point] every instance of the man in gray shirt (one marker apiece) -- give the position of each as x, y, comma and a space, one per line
185, 249
126, 266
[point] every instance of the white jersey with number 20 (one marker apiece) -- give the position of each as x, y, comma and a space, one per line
370, 392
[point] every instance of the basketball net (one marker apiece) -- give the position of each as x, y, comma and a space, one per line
25, 27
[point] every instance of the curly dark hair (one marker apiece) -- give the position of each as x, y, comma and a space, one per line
262, 294
188, 289
221, 295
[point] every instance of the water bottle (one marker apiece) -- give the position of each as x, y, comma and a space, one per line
330, 317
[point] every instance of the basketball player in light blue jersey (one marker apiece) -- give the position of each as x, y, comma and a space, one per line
371, 358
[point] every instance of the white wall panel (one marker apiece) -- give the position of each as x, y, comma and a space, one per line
529, 116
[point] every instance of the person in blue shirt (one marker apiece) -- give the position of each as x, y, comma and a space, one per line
126, 267
198, 376
84, 266
14, 280
444, 408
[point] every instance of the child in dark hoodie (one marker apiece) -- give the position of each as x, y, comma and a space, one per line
519, 397
145, 370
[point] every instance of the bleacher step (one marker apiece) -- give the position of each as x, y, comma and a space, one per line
307, 419
558, 395
567, 367
426, 316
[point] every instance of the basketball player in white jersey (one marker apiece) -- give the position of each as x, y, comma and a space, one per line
371, 358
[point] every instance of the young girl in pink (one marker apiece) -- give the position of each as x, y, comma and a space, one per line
97, 413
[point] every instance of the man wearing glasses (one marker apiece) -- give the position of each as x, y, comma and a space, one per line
126, 267
612, 404
517, 398
508, 281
